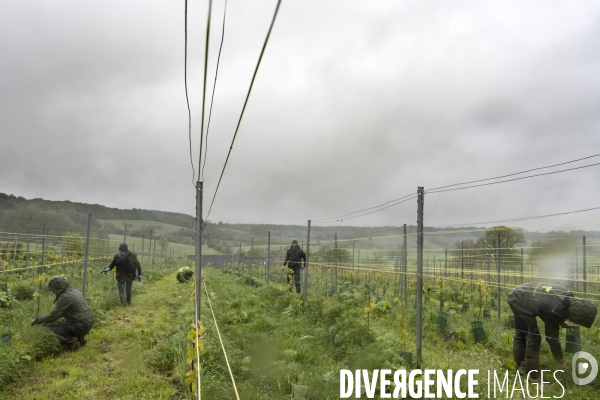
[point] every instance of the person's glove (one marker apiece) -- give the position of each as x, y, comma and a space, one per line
105, 271
139, 278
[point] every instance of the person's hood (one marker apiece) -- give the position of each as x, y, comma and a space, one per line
582, 312
57, 284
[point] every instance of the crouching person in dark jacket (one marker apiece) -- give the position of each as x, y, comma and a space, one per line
128, 269
184, 274
72, 306
293, 260
553, 304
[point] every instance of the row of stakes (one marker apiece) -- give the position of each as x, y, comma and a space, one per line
573, 339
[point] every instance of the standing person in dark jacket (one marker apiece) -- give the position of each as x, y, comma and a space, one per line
127, 265
554, 304
70, 305
292, 259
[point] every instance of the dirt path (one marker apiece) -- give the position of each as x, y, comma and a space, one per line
113, 364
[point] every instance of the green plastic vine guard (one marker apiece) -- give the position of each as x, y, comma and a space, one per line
6, 338
573, 341
407, 356
487, 314
511, 321
465, 307
4, 287
442, 319
493, 303
478, 332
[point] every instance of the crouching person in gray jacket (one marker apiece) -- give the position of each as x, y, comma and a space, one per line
72, 306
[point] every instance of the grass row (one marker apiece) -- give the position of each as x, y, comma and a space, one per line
133, 352
280, 348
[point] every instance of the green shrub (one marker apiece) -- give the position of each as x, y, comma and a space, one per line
23, 292
40, 342
4, 299
10, 360
167, 355
106, 302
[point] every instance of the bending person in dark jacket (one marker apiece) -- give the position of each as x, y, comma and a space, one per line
127, 265
292, 259
554, 304
184, 274
70, 305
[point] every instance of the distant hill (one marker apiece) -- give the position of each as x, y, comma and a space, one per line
11, 202
21, 215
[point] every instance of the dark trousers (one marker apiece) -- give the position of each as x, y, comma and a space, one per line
527, 340
66, 331
294, 273
125, 287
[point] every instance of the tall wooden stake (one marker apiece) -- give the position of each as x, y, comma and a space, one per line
307, 257
86, 254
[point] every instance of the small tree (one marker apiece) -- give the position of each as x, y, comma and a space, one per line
343, 256
255, 252
509, 238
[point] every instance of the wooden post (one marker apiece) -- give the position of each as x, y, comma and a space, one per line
419, 290
86, 254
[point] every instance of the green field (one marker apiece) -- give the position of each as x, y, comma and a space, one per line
277, 347
161, 228
135, 245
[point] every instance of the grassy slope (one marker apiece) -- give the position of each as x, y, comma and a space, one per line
114, 363
275, 349
275, 354
163, 229
135, 244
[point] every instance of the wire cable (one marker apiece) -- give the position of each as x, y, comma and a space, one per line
204, 85
372, 212
511, 180
221, 340
521, 218
364, 209
187, 98
516, 173
441, 188
245, 103
214, 86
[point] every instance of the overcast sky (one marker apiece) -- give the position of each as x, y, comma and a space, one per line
355, 103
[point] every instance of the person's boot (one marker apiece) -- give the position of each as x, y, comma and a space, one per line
123, 300
69, 342
74, 345
81, 340
532, 363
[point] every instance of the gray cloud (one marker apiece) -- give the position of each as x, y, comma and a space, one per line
355, 104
